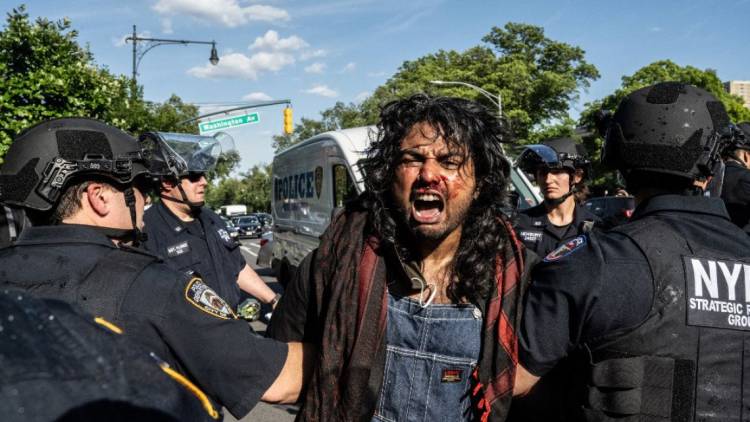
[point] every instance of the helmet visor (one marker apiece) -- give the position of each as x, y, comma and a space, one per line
178, 154
535, 156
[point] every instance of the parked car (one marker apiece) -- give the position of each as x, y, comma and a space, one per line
233, 231
248, 225
613, 210
265, 220
265, 254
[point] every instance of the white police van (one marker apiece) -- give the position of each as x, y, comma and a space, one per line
315, 177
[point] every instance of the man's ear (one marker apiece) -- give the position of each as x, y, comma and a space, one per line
99, 197
167, 185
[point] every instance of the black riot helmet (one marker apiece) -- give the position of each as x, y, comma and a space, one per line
45, 159
172, 156
670, 129
557, 153
738, 137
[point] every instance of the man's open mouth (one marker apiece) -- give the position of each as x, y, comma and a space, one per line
427, 207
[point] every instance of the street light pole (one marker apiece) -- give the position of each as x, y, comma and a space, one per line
155, 42
496, 100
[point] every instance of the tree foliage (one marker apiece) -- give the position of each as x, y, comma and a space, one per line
340, 116
659, 71
537, 77
45, 73
253, 189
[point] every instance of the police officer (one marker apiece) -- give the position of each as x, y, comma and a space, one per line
97, 373
189, 236
91, 178
559, 167
735, 190
655, 310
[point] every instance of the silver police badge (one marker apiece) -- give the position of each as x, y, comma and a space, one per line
204, 298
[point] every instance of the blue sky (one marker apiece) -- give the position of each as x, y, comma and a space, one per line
319, 52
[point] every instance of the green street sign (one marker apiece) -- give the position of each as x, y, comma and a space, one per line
229, 122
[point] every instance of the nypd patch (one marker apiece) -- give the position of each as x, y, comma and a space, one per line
224, 235
566, 249
204, 298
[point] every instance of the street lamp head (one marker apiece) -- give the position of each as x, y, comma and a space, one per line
214, 59
438, 82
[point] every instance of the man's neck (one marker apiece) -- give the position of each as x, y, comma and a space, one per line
180, 210
563, 213
436, 256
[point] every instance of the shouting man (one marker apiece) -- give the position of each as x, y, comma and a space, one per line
413, 293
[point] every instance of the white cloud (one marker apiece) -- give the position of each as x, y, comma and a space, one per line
225, 12
166, 26
316, 67
656, 29
349, 67
313, 54
257, 96
362, 96
271, 41
121, 42
322, 90
238, 65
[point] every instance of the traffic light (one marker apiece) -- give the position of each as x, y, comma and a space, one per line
288, 128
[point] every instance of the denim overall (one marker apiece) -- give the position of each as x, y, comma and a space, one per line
430, 355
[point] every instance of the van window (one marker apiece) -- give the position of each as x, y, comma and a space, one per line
343, 187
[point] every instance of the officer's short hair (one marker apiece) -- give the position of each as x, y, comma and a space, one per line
70, 201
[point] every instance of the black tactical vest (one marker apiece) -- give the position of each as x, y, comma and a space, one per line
686, 361
103, 289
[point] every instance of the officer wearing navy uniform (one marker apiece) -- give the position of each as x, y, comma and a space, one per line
47, 336
559, 167
188, 235
735, 190
653, 311
91, 180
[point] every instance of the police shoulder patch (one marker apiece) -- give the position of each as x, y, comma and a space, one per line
566, 249
205, 298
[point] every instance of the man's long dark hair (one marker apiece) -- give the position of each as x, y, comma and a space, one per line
464, 125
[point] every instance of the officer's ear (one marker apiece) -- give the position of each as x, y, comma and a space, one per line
167, 185
577, 176
98, 197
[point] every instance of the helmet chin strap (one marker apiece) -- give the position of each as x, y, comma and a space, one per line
134, 235
137, 234
555, 202
194, 206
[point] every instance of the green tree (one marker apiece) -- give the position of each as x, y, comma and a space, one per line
536, 76
44, 73
340, 116
253, 189
659, 71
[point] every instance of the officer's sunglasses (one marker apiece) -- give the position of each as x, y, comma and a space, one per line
194, 177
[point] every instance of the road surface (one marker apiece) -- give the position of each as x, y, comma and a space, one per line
262, 412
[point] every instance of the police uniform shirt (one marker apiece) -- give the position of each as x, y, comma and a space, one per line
172, 314
601, 282
538, 234
202, 247
736, 193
